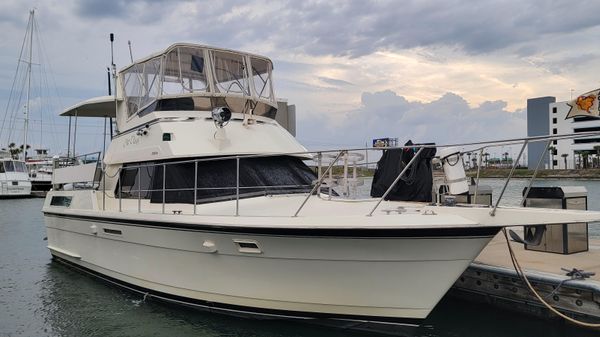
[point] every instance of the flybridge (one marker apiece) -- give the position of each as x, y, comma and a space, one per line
194, 77
188, 77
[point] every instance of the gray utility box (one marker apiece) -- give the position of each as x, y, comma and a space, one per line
564, 238
484, 196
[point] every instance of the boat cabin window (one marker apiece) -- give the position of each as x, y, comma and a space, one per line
230, 73
216, 179
185, 71
261, 77
142, 84
12, 166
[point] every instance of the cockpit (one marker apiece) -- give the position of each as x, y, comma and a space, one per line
192, 77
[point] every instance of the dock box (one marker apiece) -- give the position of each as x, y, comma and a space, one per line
484, 196
565, 238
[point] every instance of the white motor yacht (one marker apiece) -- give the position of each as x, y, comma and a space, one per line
40, 170
204, 200
14, 181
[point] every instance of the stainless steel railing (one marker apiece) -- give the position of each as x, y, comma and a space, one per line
325, 177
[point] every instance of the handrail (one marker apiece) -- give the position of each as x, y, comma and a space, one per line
320, 181
537, 167
505, 142
477, 180
512, 170
412, 160
316, 157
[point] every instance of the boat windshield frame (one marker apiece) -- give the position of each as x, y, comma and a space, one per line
195, 70
12, 166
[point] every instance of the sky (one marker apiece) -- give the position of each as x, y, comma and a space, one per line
429, 71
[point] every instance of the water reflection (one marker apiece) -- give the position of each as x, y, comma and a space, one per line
75, 304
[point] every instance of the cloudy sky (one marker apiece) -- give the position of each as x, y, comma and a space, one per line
443, 71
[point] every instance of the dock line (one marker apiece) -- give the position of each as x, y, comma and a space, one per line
522, 275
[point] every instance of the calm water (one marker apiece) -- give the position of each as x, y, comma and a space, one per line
42, 298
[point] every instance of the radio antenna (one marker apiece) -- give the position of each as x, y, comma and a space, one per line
130, 52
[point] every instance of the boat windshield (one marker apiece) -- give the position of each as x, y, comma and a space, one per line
12, 166
194, 69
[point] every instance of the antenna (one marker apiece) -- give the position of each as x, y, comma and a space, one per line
112, 53
108, 74
114, 82
130, 52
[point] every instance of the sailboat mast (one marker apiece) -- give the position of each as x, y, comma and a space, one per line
26, 124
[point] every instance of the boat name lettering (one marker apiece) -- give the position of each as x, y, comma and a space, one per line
131, 140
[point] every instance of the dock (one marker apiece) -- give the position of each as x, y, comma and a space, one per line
492, 279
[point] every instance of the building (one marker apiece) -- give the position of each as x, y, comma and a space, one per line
286, 116
538, 124
571, 151
545, 116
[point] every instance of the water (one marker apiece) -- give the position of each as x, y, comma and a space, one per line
39, 297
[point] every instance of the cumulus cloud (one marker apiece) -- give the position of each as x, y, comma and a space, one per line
446, 120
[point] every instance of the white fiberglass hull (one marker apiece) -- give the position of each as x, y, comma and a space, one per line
14, 185
394, 276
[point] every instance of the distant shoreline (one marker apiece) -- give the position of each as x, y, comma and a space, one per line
583, 174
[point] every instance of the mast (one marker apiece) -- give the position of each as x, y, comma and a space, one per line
26, 123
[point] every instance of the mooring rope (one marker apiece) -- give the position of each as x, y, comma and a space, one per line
521, 274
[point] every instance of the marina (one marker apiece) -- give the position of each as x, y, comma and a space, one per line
248, 196
189, 200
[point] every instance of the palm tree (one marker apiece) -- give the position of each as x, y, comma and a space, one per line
565, 155
597, 149
469, 155
551, 149
487, 156
505, 154
586, 156
16, 151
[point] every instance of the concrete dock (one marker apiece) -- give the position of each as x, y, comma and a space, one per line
491, 279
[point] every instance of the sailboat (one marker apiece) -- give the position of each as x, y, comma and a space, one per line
29, 87
14, 176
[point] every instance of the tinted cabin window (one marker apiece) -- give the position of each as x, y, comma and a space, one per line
60, 201
19, 166
216, 180
8, 166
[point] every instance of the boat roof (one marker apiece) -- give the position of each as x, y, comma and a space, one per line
190, 45
103, 106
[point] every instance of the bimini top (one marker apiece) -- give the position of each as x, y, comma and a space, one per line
188, 77
184, 71
103, 106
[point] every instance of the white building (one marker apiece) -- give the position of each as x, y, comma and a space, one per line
571, 147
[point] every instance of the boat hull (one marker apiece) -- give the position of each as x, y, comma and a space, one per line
373, 277
15, 189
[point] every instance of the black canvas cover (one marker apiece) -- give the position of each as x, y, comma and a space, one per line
216, 179
417, 182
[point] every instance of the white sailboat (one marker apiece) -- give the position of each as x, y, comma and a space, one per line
205, 200
15, 180
28, 88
